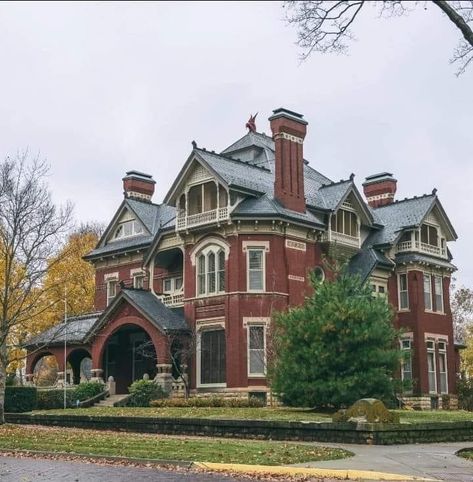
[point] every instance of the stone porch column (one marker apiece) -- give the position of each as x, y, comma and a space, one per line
164, 376
97, 375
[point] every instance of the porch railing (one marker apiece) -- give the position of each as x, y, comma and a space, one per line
345, 239
421, 247
207, 217
173, 300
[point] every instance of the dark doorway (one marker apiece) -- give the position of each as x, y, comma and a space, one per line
128, 355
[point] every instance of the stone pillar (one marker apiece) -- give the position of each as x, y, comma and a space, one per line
29, 379
112, 386
61, 380
164, 377
97, 375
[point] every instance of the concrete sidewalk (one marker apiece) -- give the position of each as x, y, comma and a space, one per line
434, 461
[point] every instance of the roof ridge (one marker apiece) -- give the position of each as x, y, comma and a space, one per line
406, 199
246, 163
334, 183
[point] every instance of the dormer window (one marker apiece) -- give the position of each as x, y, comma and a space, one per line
128, 229
429, 235
345, 222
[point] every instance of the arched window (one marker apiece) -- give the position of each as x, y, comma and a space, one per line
211, 271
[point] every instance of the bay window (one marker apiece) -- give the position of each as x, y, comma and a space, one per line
256, 269
438, 285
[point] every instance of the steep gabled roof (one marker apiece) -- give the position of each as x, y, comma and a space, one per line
74, 331
368, 259
149, 305
153, 216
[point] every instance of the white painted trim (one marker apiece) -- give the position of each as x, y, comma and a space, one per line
111, 276
433, 351
255, 244
444, 353
200, 327
426, 275
209, 242
399, 292
436, 337
264, 248
249, 325
256, 293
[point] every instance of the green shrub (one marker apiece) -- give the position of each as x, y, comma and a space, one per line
20, 399
465, 394
54, 398
87, 390
142, 392
209, 402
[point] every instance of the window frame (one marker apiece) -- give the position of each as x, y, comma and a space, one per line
437, 295
404, 349
134, 223
138, 276
249, 327
340, 216
200, 331
400, 291
427, 281
262, 250
442, 353
431, 351
203, 278
109, 282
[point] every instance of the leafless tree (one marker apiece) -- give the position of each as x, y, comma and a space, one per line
326, 26
32, 230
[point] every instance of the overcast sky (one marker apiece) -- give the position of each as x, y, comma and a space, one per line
101, 88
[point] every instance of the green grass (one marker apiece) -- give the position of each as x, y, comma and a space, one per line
284, 414
147, 446
467, 454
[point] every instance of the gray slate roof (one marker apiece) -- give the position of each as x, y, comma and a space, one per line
398, 216
364, 262
74, 331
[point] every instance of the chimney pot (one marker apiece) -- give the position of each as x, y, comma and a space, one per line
138, 185
379, 189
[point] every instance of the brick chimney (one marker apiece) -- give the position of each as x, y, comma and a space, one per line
379, 189
289, 130
138, 185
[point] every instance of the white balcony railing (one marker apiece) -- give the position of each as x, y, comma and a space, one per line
207, 217
421, 247
341, 238
172, 300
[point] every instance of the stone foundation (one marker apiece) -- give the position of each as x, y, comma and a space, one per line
427, 402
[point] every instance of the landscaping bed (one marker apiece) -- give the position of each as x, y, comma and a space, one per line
149, 447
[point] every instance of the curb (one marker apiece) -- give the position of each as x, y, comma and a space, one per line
308, 472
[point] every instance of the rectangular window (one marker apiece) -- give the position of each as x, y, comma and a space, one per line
345, 222
255, 269
212, 357
177, 284
438, 294
256, 350
201, 275
443, 371
167, 285
431, 367
427, 291
406, 367
403, 292
111, 290
138, 281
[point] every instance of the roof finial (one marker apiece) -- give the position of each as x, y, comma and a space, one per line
434, 191
251, 124
194, 144
352, 176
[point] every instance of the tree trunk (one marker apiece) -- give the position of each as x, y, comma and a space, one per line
3, 374
457, 19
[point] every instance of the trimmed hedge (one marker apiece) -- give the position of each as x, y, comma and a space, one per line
54, 398
142, 392
20, 399
210, 402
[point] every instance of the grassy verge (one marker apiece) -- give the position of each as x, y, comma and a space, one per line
144, 446
467, 454
284, 414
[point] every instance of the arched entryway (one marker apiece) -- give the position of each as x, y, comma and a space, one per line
45, 370
79, 362
129, 354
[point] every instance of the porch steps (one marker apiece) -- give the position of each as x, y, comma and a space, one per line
111, 400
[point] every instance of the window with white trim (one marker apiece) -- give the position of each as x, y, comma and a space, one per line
211, 357
256, 269
111, 289
406, 366
127, 229
211, 271
427, 291
379, 290
438, 285
256, 350
443, 375
345, 222
171, 285
138, 280
431, 366
403, 292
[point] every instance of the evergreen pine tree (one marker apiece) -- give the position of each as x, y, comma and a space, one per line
338, 347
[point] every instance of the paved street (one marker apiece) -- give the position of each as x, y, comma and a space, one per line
37, 470
437, 461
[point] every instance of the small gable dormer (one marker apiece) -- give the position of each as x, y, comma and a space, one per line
126, 226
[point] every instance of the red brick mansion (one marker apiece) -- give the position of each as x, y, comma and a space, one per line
234, 239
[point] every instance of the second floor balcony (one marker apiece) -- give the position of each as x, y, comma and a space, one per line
341, 238
426, 248
426, 240
172, 300
185, 221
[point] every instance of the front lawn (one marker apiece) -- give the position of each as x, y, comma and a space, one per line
284, 414
147, 446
